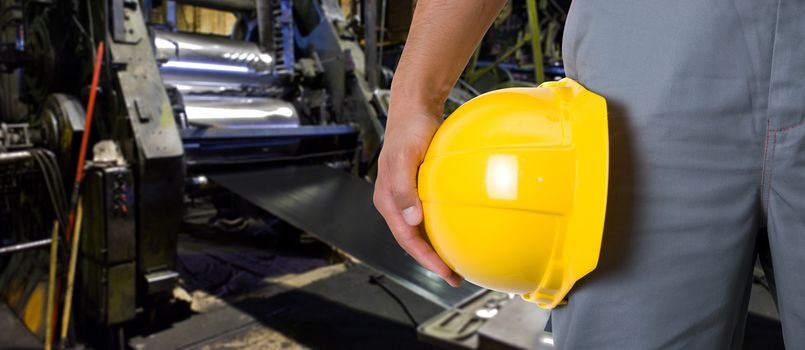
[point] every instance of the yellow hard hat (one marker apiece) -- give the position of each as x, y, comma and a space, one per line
514, 188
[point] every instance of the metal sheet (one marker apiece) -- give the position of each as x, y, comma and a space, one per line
337, 207
518, 325
228, 111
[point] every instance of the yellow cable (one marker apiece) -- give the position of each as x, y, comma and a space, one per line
68, 296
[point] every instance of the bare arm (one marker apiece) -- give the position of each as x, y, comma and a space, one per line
443, 35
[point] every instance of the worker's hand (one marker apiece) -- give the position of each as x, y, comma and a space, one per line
436, 51
406, 141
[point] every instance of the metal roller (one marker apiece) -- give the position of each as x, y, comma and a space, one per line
239, 112
195, 57
194, 83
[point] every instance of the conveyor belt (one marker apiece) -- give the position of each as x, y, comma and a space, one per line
337, 208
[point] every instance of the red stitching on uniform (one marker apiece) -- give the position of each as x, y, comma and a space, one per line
791, 126
771, 168
766, 142
764, 174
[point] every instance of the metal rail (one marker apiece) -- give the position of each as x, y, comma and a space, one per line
24, 246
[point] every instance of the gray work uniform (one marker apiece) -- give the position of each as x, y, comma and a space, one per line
707, 120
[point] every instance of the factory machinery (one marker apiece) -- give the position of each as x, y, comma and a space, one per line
280, 113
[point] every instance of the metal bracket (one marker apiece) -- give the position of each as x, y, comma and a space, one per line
120, 28
161, 281
142, 117
15, 136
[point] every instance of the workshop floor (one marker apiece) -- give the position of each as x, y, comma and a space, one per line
263, 285
243, 297
267, 288
13, 335
260, 284
324, 308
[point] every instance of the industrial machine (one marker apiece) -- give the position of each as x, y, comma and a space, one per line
284, 100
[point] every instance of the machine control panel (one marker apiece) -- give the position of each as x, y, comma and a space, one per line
120, 194
109, 199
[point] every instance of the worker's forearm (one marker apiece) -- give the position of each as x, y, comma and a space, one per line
443, 36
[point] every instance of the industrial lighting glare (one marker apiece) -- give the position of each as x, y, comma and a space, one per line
486, 313
431, 274
284, 111
266, 58
205, 67
189, 46
164, 44
167, 44
206, 113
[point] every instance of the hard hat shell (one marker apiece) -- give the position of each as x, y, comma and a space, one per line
514, 188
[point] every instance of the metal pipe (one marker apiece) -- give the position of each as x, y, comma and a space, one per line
475, 74
12, 157
371, 64
226, 5
24, 246
382, 36
265, 24
536, 46
190, 83
170, 13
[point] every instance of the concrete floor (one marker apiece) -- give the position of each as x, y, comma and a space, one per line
315, 310
13, 335
322, 305
243, 296
331, 306
267, 288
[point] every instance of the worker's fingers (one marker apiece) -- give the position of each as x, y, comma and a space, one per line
399, 180
423, 253
396, 195
399, 163
410, 238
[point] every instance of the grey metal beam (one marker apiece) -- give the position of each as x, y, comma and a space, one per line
226, 5
372, 65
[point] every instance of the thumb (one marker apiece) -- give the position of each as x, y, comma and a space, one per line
403, 187
407, 200
412, 214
